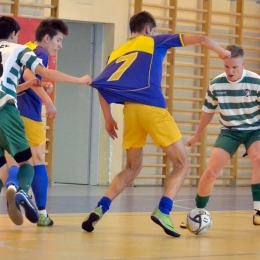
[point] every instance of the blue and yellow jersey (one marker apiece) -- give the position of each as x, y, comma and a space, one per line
29, 103
134, 70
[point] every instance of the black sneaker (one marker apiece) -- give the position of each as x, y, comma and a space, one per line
89, 223
24, 200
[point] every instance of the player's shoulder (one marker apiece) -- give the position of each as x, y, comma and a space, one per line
220, 79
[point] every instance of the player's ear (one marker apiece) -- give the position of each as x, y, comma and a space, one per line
46, 37
12, 35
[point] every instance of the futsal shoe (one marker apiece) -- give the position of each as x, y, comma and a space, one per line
89, 223
44, 221
24, 200
165, 222
256, 218
13, 209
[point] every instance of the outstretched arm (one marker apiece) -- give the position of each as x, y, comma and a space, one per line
204, 121
57, 76
111, 124
191, 39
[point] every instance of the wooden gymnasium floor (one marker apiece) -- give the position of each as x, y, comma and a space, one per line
127, 232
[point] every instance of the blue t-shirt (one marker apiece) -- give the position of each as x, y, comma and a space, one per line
134, 70
29, 103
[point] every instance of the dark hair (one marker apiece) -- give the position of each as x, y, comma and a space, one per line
51, 27
7, 26
140, 20
236, 50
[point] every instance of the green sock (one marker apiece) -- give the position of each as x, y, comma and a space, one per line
201, 202
25, 177
255, 188
1, 185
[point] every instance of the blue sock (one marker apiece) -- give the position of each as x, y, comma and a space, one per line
105, 202
40, 186
12, 177
165, 205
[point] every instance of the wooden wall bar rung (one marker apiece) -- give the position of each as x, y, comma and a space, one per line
190, 32
187, 87
190, 20
252, 38
222, 35
37, 5
153, 165
188, 54
226, 13
188, 65
163, 30
162, 18
187, 99
159, 6
225, 24
6, 2
195, 10
193, 110
179, 76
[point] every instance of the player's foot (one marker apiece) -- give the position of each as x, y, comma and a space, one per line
165, 222
44, 221
256, 218
89, 223
13, 208
24, 200
183, 225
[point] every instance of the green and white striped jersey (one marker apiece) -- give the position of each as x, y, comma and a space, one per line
13, 59
238, 102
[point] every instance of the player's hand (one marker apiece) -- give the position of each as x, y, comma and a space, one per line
33, 82
85, 80
191, 141
48, 87
51, 110
225, 54
111, 127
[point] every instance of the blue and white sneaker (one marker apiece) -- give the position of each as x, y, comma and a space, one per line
24, 200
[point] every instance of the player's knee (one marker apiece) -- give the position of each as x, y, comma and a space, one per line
256, 161
210, 174
182, 164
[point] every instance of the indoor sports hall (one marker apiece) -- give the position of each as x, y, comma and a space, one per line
82, 160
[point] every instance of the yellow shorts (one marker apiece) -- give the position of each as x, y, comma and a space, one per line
35, 132
141, 120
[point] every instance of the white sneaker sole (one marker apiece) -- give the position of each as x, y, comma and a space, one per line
14, 213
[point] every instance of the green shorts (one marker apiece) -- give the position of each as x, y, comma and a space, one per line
12, 133
230, 140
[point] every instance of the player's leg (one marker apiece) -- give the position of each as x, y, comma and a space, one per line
253, 151
35, 134
133, 141
119, 183
13, 169
14, 141
40, 184
217, 161
165, 133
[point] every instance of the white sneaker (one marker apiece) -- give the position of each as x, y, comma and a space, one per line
13, 208
256, 218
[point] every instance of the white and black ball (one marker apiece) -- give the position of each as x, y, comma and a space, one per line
199, 221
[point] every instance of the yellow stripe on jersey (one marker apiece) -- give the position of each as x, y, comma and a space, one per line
31, 45
182, 42
140, 43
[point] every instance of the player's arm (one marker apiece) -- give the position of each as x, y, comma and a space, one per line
57, 76
51, 110
204, 121
111, 124
191, 39
27, 84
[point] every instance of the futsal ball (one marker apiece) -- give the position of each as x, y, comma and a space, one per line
199, 221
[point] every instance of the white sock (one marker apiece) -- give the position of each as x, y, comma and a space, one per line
43, 212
